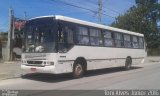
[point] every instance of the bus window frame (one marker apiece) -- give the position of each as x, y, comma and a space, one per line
101, 37
97, 37
77, 34
121, 40
112, 38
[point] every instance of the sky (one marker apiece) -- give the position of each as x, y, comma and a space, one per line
34, 8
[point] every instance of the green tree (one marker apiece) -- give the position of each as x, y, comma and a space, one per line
142, 18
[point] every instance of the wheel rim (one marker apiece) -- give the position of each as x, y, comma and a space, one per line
78, 69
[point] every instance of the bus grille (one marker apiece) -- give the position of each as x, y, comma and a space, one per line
34, 62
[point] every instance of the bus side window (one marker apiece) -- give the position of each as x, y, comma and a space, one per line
69, 34
108, 39
95, 37
135, 42
141, 43
118, 40
127, 41
83, 36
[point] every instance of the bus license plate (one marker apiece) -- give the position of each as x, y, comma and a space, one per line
33, 69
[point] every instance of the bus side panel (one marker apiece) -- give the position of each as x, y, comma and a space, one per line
101, 64
64, 63
64, 67
105, 57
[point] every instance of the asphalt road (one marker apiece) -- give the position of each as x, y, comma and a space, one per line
145, 76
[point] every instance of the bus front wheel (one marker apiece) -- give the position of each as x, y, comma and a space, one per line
128, 63
78, 69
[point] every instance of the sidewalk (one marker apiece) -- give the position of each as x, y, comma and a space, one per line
151, 59
12, 69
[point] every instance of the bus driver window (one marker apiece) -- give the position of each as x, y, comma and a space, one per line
65, 39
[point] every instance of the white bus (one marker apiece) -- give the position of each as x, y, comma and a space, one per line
59, 44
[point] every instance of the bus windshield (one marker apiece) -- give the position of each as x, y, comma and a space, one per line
40, 36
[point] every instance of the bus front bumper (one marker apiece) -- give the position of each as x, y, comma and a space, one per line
35, 69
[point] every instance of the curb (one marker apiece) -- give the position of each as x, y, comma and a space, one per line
10, 77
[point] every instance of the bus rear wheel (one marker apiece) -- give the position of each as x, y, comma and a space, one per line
128, 63
78, 69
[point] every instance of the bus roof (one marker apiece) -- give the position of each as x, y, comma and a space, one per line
82, 22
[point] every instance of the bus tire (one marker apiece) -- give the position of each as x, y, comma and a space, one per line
128, 63
78, 69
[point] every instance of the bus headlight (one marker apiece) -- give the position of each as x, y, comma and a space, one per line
44, 62
47, 63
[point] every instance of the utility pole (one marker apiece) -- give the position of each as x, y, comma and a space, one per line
25, 18
10, 35
25, 15
100, 9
